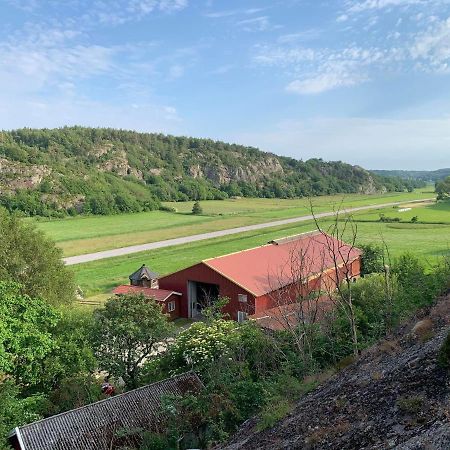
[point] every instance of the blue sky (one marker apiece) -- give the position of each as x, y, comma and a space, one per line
363, 81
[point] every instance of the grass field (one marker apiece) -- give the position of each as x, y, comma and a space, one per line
426, 240
90, 234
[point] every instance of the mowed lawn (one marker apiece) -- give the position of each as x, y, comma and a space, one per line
429, 241
82, 235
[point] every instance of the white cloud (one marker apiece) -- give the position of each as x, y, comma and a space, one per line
367, 5
342, 18
397, 143
176, 71
319, 70
431, 48
49, 56
261, 23
301, 36
324, 82
232, 12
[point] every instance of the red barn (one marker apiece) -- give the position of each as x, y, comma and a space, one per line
253, 279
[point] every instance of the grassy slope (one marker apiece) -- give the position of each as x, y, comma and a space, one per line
428, 241
90, 234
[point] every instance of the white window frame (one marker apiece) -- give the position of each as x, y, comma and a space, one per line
171, 306
242, 298
241, 316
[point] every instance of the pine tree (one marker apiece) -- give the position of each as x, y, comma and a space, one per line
197, 209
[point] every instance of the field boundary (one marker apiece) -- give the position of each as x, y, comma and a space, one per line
85, 258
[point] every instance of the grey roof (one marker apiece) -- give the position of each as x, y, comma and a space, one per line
94, 426
143, 273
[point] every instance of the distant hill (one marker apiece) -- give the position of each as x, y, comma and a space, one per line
394, 396
424, 175
73, 170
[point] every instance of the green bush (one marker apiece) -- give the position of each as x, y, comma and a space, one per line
444, 353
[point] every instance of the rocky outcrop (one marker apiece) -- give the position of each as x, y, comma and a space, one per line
117, 162
221, 174
15, 175
396, 396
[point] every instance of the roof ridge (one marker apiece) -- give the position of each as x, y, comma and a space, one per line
191, 372
292, 237
237, 251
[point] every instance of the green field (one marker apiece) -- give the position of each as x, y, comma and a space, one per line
426, 240
81, 235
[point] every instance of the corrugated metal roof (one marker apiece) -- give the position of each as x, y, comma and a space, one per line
158, 294
263, 269
143, 273
95, 426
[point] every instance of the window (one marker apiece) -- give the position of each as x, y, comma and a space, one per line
242, 298
171, 306
241, 316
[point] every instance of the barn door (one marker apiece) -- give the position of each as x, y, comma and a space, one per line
192, 299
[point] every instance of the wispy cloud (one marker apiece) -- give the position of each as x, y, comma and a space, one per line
358, 6
232, 12
261, 23
319, 70
122, 11
421, 45
431, 48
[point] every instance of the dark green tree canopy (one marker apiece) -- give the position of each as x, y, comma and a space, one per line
31, 259
26, 339
125, 333
443, 189
197, 208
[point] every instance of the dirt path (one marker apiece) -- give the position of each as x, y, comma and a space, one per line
80, 259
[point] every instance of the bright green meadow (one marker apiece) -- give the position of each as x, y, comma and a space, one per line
89, 234
427, 240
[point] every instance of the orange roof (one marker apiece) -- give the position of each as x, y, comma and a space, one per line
264, 269
160, 295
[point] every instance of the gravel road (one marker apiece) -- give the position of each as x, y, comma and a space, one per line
80, 259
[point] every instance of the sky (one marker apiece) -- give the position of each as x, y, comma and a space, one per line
362, 81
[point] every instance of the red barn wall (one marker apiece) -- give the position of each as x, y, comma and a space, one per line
178, 282
176, 313
288, 294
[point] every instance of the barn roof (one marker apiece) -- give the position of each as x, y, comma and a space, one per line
158, 294
269, 267
143, 273
94, 427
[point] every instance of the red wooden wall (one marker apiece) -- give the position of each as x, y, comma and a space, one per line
178, 282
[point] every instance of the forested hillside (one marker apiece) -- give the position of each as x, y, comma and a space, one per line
425, 175
104, 171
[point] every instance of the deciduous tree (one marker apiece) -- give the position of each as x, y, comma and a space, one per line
127, 332
31, 259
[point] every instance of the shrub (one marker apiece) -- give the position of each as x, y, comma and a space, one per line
273, 412
412, 404
444, 353
197, 209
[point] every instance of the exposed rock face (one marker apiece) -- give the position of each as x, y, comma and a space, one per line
395, 396
117, 163
221, 174
15, 175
